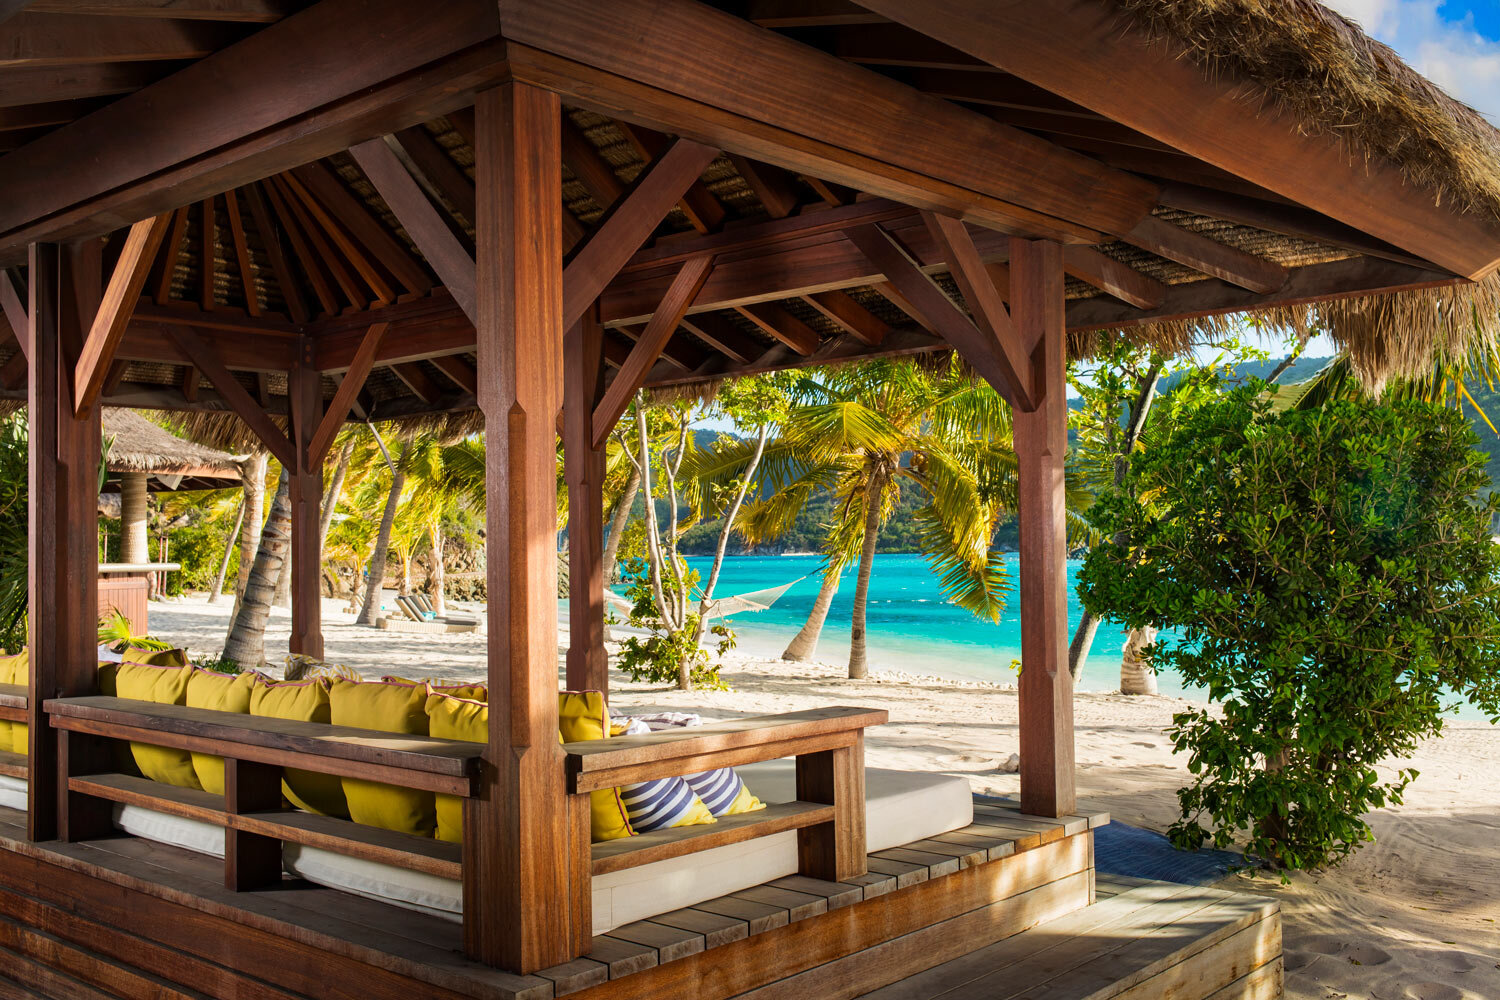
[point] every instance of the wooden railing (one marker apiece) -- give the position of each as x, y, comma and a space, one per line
12, 709
828, 814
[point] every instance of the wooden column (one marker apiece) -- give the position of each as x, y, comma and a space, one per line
64, 522
1041, 441
524, 906
306, 400
583, 386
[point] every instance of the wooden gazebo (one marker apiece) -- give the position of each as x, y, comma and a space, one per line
352, 209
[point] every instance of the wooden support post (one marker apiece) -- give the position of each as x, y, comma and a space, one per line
524, 904
1041, 441
306, 400
81, 817
583, 387
65, 289
251, 860
834, 851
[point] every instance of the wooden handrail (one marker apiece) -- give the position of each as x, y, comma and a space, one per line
13, 701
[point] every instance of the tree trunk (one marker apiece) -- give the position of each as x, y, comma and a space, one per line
1136, 675
253, 482
284, 584
134, 546
229, 543
439, 571
805, 642
404, 589
246, 644
1083, 639
376, 570
617, 528
858, 666
331, 496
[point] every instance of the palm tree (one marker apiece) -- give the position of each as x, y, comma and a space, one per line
375, 569
246, 643
866, 432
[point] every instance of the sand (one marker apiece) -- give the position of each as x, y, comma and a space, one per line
1410, 917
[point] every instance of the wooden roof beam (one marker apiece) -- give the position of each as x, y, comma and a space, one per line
782, 325
1083, 52
720, 333
362, 225
13, 303
592, 170
419, 382
849, 316
345, 398
703, 211
328, 76
628, 224
241, 252
678, 351
207, 361
438, 169
807, 13
19, 88
772, 186
422, 221
1207, 255
120, 297
460, 371
1109, 275
246, 11
786, 103
270, 239
663, 323
31, 39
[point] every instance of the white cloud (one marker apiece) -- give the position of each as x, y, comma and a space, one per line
1449, 52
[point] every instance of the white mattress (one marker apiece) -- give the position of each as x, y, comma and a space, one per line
12, 793
900, 807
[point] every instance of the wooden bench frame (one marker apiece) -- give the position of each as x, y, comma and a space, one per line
13, 702
828, 814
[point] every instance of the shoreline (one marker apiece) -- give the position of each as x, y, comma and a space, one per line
1409, 917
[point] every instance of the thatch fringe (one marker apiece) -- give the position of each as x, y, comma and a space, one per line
1323, 69
138, 445
223, 429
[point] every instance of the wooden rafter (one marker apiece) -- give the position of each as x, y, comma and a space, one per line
189, 383
591, 169
31, 39
362, 226
208, 235
1000, 339
419, 382
782, 325
421, 220
774, 187
628, 224
435, 165
115, 308
246, 11
345, 397
242, 252
720, 333
53, 84
460, 371
663, 323
1109, 275
14, 307
270, 239
206, 360
849, 316
677, 351
306, 254
325, 228
979, 347
172, 256
698, 204
1209, 256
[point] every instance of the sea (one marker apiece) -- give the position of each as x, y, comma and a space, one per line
911, 626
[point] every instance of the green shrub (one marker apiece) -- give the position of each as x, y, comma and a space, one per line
1332, 582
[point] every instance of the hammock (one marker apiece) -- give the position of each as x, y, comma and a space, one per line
755, 600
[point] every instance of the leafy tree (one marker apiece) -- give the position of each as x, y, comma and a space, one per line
1332, 580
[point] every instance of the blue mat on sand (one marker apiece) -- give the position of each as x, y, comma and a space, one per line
1128, 850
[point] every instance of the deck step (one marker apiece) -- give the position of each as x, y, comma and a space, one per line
1150, 939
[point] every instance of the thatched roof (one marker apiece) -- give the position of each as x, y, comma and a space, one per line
138, 445
1325, 70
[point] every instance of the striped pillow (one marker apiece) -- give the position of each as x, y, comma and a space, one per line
723, 792
663, 803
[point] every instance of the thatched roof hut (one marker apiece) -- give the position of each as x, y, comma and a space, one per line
136, 445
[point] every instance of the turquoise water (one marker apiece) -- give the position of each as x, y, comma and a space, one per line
912, 627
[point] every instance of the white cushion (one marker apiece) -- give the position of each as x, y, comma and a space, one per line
12, 793
900, 807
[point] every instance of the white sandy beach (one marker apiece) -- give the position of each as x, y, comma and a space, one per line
1410, 917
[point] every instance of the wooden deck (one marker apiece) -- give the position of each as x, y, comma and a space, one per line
122, 917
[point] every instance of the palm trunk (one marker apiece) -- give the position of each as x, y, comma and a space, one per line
1136, 675
1088, 626
246, 644
858, 665
617, 527
253, 480
371, 609
213, 597
284, 584
335, 489
806, 641
439, 571
405, 589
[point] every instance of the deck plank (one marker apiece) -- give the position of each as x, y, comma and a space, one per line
836, 893
937, 865
758, 917
671, 943
906, 873
799, 905
621, 957
716, 928
874, 883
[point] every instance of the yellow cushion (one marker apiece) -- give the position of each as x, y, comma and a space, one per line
15, 736
8, 676
389, 708
303, 701
156, 657
582, 715
222, 693
162, 686
455, 719
469, 692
